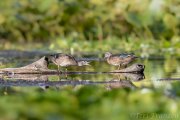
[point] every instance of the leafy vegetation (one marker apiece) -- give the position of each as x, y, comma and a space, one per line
88, 102
33, 20
148, 26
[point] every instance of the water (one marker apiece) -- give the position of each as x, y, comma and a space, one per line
156, 74
94, 95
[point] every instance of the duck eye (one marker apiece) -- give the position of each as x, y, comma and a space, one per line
56, 56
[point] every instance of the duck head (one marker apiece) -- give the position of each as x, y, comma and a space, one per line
107, 55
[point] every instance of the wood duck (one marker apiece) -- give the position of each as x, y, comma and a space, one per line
119, 59
65, 60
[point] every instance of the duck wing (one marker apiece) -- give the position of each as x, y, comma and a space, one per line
66, 60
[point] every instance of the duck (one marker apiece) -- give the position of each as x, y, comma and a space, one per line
119, 59
65, 60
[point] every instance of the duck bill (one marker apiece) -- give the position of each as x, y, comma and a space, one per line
88, 64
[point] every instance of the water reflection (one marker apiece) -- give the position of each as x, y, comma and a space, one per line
130, 76
116, 83
117, 80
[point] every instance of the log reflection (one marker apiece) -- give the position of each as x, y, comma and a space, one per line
43, 81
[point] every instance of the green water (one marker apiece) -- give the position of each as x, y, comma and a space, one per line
93, 96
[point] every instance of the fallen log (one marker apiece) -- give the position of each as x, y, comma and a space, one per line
41, 67
135, 68
38, 67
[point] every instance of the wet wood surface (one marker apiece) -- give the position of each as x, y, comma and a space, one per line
41, 67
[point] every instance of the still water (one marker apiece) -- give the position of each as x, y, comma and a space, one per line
94, 95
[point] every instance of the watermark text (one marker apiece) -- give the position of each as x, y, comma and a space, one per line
154, 116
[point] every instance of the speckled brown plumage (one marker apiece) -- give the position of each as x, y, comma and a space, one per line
61, 59
120, 59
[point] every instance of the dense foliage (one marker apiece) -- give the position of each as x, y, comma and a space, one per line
89, 19
89, 102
